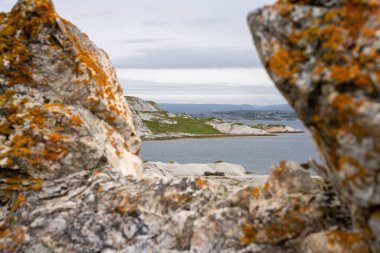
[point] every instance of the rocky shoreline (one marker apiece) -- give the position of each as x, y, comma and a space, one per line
152, 123
71, 178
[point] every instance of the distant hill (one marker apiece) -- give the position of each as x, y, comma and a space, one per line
199, 108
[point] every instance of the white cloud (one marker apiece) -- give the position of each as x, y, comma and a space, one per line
234, 76
211, 86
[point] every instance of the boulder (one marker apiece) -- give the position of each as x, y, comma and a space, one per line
62, 108
70, 168
323, 57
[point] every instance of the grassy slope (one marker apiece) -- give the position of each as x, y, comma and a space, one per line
184, 125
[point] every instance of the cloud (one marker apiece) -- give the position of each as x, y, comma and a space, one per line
202, 93
208, 21
144, 41
204, 22
156, 23
179, 58
97, 15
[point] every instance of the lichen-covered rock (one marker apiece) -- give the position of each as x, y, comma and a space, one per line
324, 57
69, 159
62, 108
101, 211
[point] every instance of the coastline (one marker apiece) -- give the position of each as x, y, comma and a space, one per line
212, 136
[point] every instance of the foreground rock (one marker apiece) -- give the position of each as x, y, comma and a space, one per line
323, 56
232, 176
67, 144
62, 108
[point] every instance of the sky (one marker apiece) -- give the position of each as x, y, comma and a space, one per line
177, 51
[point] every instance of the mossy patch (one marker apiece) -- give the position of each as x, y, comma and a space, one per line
183, 125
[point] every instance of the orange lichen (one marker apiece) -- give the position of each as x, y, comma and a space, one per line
5, 128
348, 240
21, 144
76, 120
54, 105
250, 234
255, 192
200, 182
333, 36
179, 199
343, 74
292, 226
121, 209
21, 199
368, 32
55, 137
54, 152
19, 183
341, 101
279, 63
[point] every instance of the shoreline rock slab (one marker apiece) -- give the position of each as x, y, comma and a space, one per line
323, 57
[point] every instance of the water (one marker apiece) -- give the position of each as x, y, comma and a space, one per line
255, 154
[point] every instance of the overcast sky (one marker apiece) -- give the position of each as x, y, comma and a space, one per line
177, 51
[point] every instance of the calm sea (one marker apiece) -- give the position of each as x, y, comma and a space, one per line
255, 154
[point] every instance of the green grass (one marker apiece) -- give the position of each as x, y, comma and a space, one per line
184, 125
266, 126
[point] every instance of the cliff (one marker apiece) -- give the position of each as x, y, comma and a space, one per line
323, 57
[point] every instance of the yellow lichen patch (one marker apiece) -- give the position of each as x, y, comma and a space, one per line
333, 36
282, 8
21, 199
55, 137
54, 105
291, 227
76, 120
349, 241
54, 152
5, 128
179, 199
21, 145
279, 63
341, 101
343, 74
255, 192
121, 209
15, 237
368, 32
19, 183
249, 235
99, 189
200, 182
364, 82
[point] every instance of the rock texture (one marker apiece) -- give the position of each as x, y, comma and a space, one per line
69, 166
234, 128
62, 108
323, 56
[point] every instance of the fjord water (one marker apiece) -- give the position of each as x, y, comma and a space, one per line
256, 154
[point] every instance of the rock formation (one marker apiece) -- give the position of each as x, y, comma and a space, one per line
62, 108
69, 166
323, 56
